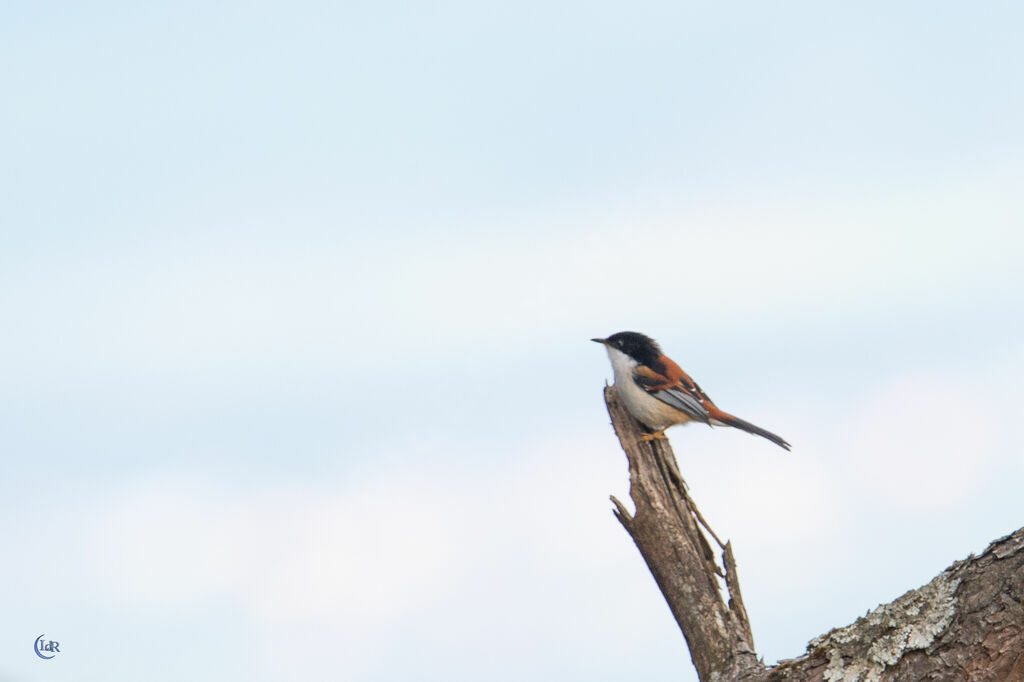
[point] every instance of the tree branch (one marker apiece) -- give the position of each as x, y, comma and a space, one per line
667, 530
966, 624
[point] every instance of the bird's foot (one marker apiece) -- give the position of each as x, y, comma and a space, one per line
657, 435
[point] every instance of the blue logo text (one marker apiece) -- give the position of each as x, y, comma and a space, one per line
43, 647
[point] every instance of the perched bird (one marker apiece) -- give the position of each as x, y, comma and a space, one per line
659, 394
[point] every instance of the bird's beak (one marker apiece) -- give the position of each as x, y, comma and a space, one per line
599, 340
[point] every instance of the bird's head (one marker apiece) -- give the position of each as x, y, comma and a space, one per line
643, 349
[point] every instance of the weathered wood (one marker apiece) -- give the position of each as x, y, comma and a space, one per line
966, 624
667, 530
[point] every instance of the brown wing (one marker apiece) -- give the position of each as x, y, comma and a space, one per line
667, 382
671, 385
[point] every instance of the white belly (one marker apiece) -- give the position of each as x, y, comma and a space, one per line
651, 412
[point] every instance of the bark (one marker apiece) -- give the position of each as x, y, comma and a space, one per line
966, 624
667, 529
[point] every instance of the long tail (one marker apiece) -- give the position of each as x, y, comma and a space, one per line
736, 422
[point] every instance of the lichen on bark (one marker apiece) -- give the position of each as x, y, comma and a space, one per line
862, 651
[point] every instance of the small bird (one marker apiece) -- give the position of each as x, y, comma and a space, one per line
659, 394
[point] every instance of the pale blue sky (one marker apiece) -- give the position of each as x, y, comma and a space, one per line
296, 304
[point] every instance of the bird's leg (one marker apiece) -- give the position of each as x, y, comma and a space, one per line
657, 435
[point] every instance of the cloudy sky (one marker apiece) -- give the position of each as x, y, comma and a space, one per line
296, 298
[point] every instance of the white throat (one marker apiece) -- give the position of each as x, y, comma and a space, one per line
622, 365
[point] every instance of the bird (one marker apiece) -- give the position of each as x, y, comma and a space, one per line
659, 394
